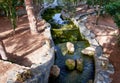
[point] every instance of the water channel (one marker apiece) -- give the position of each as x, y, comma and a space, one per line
63, 31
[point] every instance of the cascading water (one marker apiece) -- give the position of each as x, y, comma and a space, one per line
55, 3
57, 19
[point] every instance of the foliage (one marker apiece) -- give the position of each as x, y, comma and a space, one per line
114, 10
117, 19
9, 7
98, 2
110, 6
48, 1
69, 6
101, 4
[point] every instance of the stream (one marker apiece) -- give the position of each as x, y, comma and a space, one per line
63, 31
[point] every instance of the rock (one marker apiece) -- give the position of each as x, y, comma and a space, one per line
24, 76
89, 51
90, 81
64, 14
48, 43
55, 71
104, 64
70, 64
55, 3
70, 47
79, 65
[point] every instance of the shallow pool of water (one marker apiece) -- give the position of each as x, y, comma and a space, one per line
65, 31
74, 76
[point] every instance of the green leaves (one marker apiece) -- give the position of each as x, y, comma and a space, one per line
117, 19
9, 7
114, 10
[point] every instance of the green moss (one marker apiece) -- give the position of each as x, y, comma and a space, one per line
70, 64
61, 36
79, 65
24, 76
70, 25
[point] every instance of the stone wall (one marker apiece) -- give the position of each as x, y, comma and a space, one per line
39, 70
103, 68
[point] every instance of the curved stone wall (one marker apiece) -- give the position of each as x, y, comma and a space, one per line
40, 70
103, 68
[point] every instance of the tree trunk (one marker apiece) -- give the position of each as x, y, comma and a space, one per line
3, 51
97, 17
31, 16
99, 12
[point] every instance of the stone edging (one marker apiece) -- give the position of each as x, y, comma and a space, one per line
103, 68
40, 71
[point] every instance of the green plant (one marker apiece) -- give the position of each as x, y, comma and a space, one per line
113, 10
9, 7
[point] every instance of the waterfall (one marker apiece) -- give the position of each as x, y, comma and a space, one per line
58, 19
55, 3
48, 3
45, 3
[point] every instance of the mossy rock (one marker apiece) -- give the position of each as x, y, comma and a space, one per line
70, 64
55, 71
90, 81
24, 76
79, 65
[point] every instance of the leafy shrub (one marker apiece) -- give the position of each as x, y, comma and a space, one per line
117, 19
114, 10
9, 7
